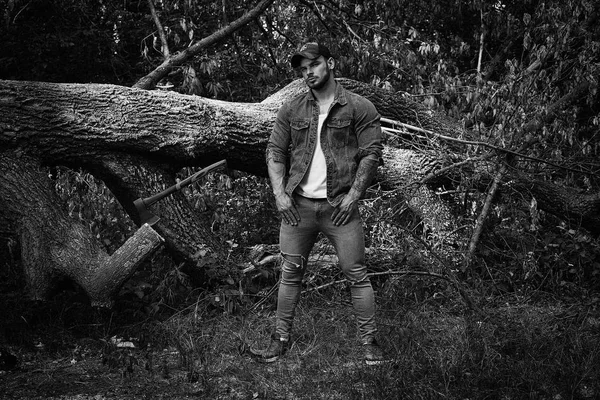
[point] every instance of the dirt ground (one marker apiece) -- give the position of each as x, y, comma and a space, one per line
40, 377
62, 353
59, 359
136, 374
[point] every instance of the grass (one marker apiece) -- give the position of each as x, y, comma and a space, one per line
437, 350
514, 348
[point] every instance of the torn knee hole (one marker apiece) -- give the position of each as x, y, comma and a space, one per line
355, 282
293, 260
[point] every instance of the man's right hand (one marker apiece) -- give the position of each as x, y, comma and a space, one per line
287, 209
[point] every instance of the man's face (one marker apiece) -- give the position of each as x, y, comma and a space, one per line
315, 72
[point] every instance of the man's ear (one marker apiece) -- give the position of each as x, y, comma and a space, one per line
331, 62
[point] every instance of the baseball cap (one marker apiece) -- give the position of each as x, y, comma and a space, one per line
311, 51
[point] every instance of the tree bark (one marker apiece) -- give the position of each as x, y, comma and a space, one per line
580, 209
136, 140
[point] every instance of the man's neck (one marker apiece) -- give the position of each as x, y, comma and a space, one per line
326, 93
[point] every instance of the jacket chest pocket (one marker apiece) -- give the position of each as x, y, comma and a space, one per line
299, 131
339, 131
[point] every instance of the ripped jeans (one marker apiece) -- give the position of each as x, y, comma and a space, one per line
296, 242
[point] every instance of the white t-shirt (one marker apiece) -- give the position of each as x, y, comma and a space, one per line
314, 183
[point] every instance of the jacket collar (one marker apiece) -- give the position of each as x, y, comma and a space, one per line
338, 97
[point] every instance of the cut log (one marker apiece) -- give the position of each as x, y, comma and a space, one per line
55, 246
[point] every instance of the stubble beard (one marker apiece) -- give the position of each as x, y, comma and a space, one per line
319, 83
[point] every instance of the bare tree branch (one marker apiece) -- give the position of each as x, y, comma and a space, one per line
175, 60
161, 30
431, 134
384, 273
487, 205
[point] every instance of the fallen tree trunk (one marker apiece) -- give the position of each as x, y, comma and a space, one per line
136, 140
581, 209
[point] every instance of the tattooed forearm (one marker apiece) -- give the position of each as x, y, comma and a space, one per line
364, 175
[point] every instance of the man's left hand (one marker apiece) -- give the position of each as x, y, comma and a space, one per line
342, 213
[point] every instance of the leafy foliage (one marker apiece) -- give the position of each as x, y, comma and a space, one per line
90, 202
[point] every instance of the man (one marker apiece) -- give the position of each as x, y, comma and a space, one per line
333, 142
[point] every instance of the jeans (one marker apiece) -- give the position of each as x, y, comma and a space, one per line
296, 243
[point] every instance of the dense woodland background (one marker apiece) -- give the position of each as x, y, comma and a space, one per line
494, 67
520, 76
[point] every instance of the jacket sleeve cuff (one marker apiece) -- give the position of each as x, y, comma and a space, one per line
370, 156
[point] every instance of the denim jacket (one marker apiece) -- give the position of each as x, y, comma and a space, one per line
351, 133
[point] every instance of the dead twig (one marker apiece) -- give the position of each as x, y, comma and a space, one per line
483, 216
383, 273
265, 297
